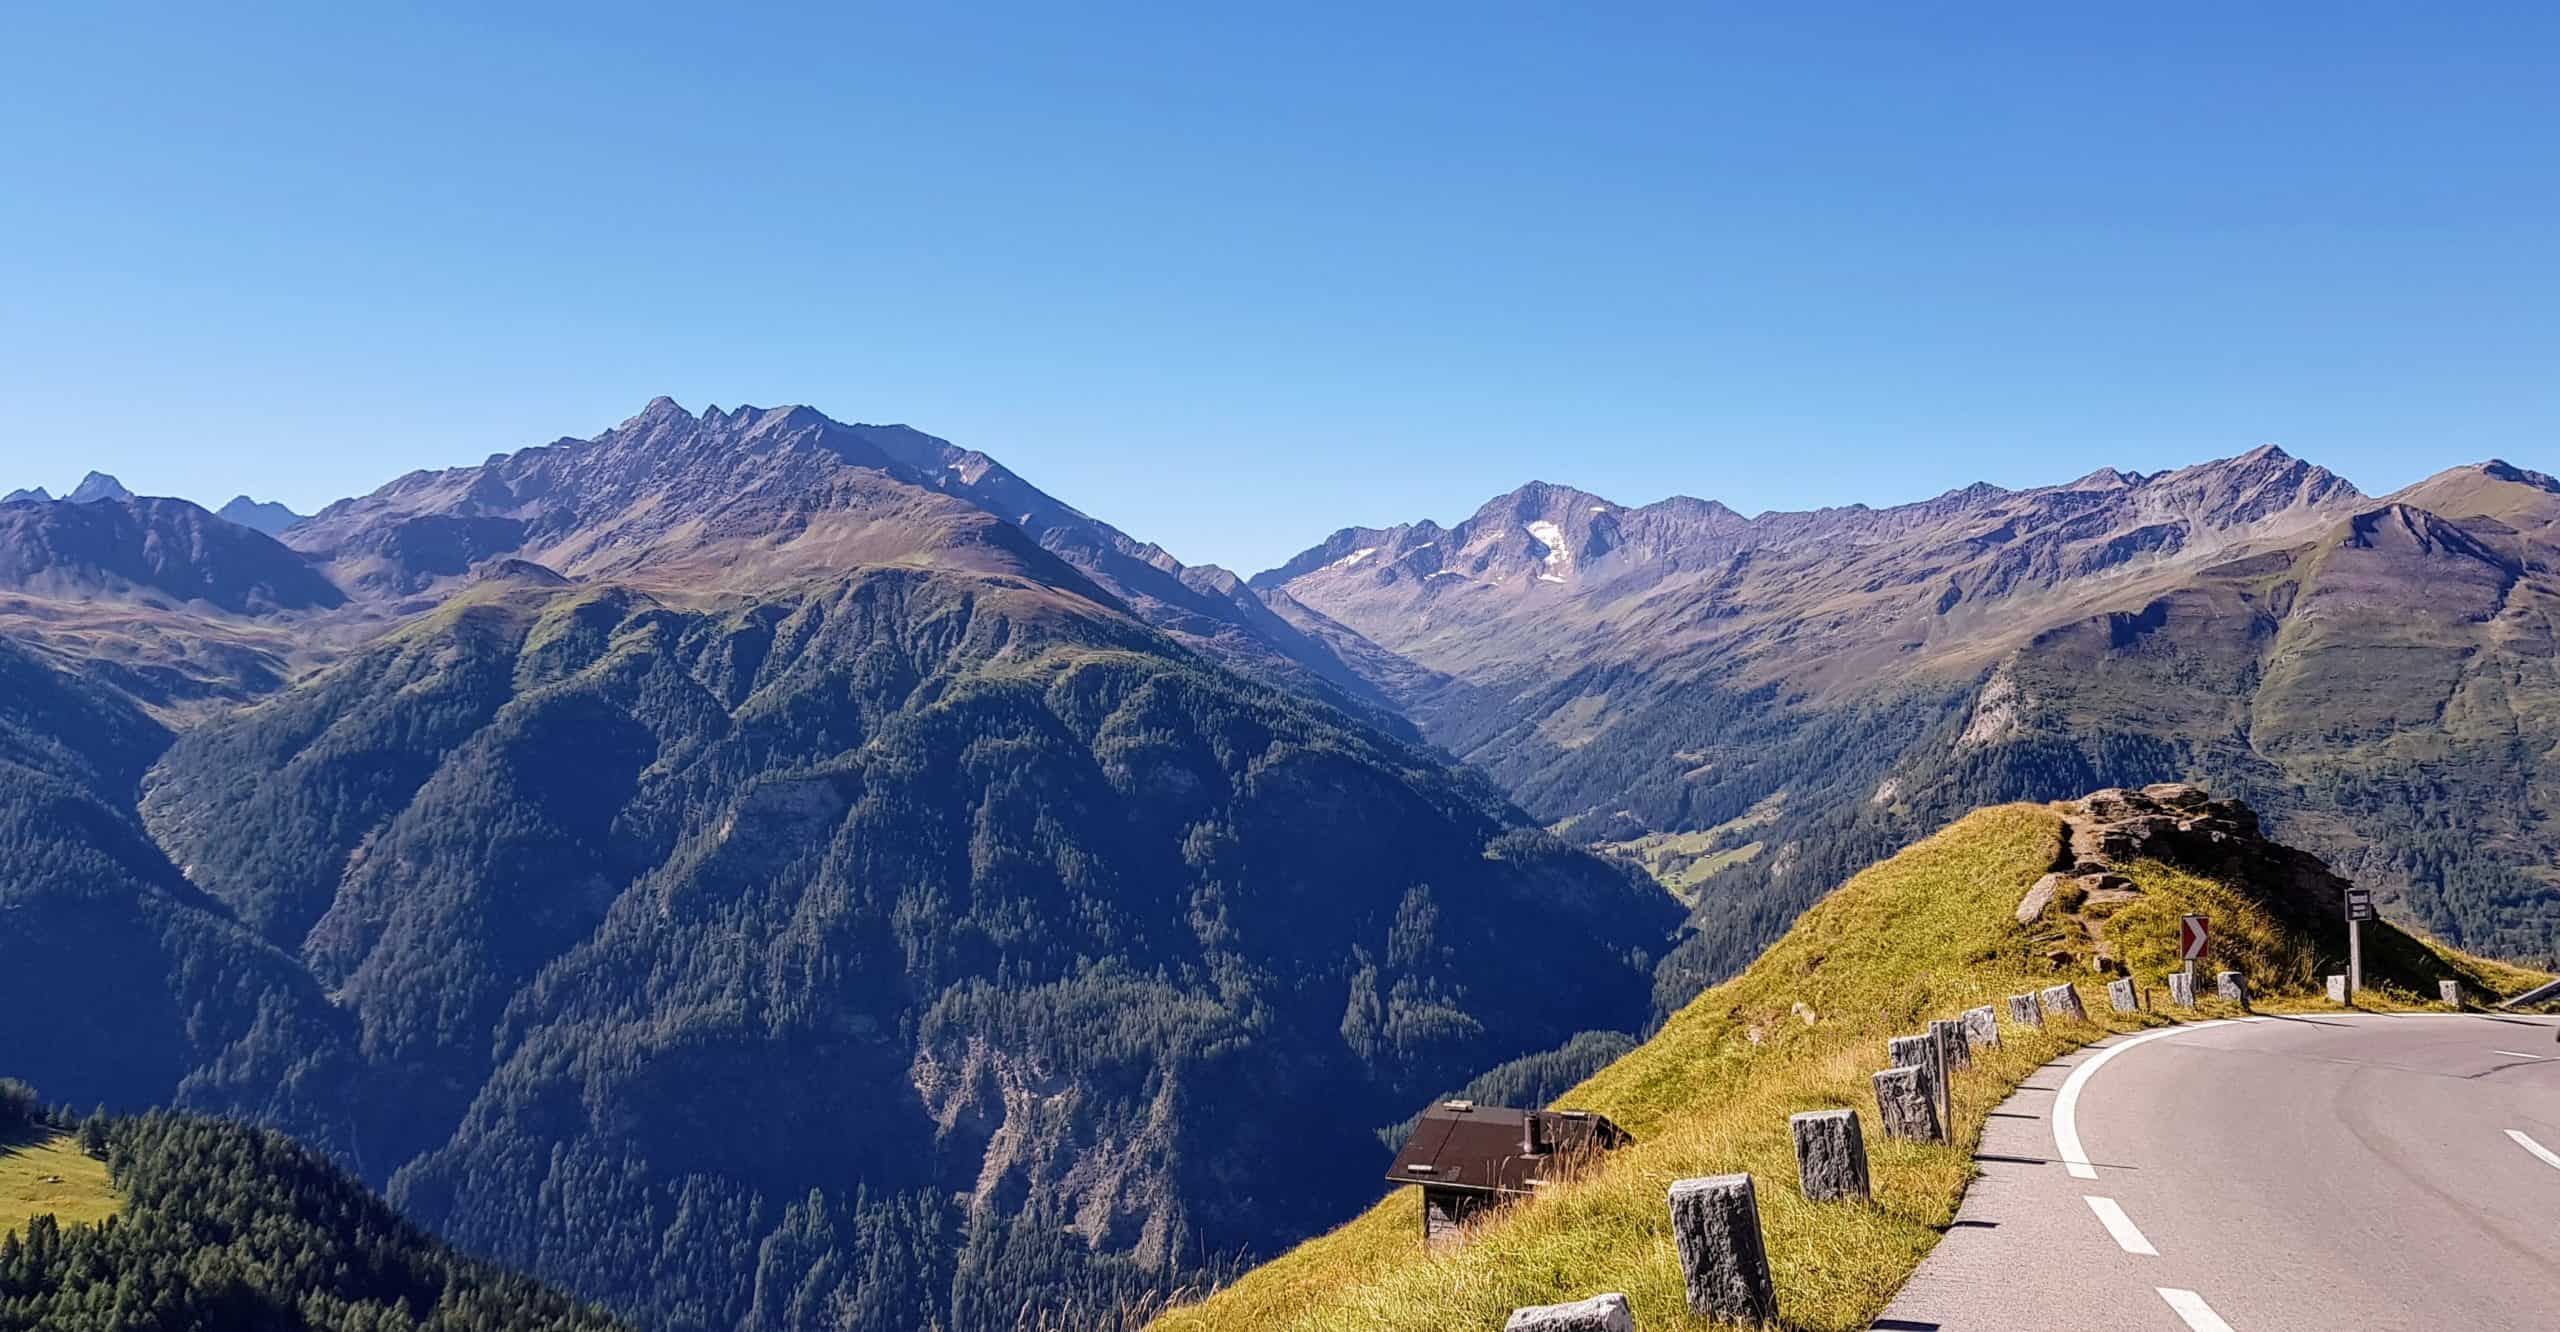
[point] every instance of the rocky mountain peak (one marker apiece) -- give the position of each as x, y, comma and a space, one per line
32, 494
2107, 478
98, 486
662, 410
2499, 469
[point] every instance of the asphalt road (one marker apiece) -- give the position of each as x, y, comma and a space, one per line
2322, 1171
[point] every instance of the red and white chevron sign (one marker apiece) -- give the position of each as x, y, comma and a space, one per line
2192, 934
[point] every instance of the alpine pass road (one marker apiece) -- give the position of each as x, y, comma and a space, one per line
2269, 1174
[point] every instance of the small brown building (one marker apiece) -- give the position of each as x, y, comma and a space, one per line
1469, 1158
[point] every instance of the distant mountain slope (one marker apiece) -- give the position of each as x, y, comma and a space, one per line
268, 517
173, 608
230, 1227
752, 497
162, 550
1821, 599
1782, 697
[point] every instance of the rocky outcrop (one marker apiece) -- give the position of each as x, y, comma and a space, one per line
2180, 825
2173, 824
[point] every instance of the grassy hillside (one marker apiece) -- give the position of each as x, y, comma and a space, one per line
44, 1173
1925, 934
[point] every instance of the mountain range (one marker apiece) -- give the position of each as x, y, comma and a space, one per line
759, 871
1757, 706
727, 868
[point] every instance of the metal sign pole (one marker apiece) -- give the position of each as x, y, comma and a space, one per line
2359, 904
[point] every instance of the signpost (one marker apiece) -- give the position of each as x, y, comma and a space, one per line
2359, 910
2194, 936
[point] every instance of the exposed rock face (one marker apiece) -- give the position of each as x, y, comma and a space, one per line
2180, 825
2039, 899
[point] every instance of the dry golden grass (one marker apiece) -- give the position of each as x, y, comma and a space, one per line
1924, 935
30, 1167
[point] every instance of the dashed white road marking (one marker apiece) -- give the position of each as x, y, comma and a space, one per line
2066, 1106
2121, 1227
2191, 1307
2518, 1054
2547, 1156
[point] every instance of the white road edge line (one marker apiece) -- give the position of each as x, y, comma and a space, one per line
2127, 1238
2066, 1106
2190, 1306
2549, 1157
2518, 1054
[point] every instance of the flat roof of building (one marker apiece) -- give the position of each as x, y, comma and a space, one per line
1459, 1144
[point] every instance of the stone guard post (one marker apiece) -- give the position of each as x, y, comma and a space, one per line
1831, 1155
2025, 1011
2064, 1001
1927, 1055
1715, 1223
1951, 1037
1905, 1108
1982, 1027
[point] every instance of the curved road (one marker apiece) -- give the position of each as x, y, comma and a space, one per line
2314, 1171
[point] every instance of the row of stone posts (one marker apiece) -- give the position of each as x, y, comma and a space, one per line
1715, 1222
2449, 992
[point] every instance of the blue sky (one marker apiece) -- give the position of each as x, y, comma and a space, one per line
1234, 279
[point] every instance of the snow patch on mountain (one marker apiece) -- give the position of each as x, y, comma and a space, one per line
1559, 555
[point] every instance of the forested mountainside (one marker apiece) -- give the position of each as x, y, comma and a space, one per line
222, 1226
120, 980
1756, 706
798, 900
